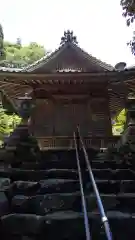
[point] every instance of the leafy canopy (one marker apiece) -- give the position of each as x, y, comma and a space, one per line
7, 123
18, 56
128, 7
119, 123
2, 53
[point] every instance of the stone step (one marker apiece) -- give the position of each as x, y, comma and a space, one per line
117, 174
98, 164
49, 203
42, 187
52, 164
113, 186
56, 185
108, 164
62, 154
55, 224
67, 185
37, 175
43, 204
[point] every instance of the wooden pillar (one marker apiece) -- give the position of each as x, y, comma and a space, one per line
108, 114
100, 117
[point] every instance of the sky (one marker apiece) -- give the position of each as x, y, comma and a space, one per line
98, 24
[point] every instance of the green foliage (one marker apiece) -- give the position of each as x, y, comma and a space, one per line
19, 56
2, 52
7, 123
14, 55
128, 7
120, 120
132, 44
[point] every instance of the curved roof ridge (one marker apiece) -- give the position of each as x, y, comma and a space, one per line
9, 69
46, 58
96, 60
43, 60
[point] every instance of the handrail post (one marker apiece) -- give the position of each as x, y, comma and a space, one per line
99, 202
77, 140
86, 221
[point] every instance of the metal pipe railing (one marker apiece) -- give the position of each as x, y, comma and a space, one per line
104, 218
86, 221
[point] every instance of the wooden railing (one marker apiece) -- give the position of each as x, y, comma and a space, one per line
63, 142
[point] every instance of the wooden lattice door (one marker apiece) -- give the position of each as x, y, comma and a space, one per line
63, 120
82, 117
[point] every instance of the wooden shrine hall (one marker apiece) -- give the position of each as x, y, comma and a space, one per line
69, 87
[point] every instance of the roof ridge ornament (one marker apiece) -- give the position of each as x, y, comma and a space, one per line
68, 38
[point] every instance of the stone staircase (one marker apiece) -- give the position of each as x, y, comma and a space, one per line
41, 200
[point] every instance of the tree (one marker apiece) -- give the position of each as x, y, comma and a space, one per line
2, 53
7, 123
128, 7
18, 43
119, 123
19, 56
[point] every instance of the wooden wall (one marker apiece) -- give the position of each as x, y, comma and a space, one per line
60, 119
101, 122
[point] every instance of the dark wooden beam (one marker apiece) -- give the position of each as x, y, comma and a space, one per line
70, 91
28, 77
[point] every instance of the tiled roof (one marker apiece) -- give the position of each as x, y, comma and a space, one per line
58, 61
8, 69
46, 60
42, 60
69, 57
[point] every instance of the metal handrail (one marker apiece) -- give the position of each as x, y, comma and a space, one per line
86, 221
104, 218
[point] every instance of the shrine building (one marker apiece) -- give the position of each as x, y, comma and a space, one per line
69, 88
